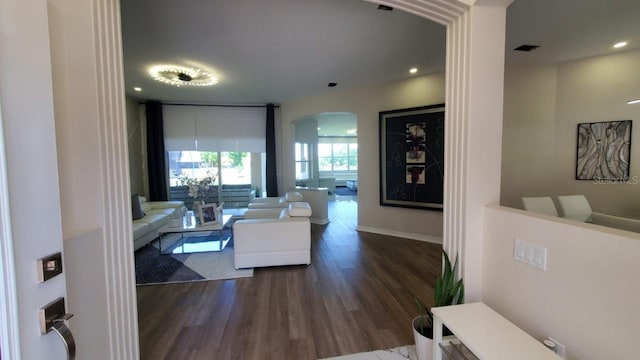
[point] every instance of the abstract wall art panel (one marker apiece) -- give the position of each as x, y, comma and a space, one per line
603, 151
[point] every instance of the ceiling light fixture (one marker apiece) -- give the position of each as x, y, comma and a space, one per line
413, 70
631, 102
137, 88
182, 76
620, 44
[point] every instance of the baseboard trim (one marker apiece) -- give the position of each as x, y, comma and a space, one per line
324, 221
412, 236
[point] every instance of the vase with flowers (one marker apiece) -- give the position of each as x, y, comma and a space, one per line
199, 188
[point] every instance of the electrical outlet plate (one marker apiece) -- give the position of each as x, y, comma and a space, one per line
560, 349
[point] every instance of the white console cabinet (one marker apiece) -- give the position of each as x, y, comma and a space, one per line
319, 202
484, 333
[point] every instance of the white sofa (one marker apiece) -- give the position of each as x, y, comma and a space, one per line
273, 237
276, 202
156, 215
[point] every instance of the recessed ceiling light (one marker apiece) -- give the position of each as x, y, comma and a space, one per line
620, 44
413, 70
182, 76
137, 88
631, 102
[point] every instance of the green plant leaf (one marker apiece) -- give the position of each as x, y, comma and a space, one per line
448, 290
461, 295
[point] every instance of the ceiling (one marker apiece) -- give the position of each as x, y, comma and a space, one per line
277, 50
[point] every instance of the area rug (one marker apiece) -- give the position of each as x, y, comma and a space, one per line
399, 353
152, 268
344, 191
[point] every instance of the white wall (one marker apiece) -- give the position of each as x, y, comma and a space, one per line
543, 106
91, 132
588, 297
134, 134
528, 140
366, 103
79, 161
306, 131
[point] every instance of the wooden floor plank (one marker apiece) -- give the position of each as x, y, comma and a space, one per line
357, 295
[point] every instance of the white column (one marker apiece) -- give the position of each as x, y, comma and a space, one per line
473, 145
94, 176
474, 99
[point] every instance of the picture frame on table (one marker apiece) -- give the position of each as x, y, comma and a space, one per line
208, 214
412, 157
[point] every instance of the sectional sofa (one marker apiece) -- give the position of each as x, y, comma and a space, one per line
155, 214
276, 202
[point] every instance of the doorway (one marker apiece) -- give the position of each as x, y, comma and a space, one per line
326, 156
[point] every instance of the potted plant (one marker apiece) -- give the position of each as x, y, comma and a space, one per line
448, 291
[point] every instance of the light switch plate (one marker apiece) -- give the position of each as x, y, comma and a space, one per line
530, 254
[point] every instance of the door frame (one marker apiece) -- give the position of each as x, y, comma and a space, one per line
9, 319
474, 89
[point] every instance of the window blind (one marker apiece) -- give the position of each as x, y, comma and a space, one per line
213, 128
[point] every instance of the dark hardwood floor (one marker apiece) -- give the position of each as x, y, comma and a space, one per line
357, 295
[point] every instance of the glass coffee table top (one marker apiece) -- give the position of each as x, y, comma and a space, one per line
191, 238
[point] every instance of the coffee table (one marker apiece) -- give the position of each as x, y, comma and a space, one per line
194, 238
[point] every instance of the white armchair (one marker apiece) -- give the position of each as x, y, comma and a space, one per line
276, 202
273, 241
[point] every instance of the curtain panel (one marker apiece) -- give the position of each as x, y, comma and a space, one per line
271, 180
155, 152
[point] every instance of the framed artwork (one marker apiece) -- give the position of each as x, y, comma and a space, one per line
604, 151
412, 157
208, 214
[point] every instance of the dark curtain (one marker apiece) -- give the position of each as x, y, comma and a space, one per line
272, 181
155, 152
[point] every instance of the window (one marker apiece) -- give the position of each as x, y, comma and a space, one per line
325, 155
197, 174
196, 165
234, 167
303, 165
338, 157
209, 149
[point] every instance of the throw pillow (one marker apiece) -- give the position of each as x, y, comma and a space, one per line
136, 209
284, 213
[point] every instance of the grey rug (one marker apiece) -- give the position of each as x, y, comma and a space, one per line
152, 268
